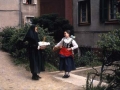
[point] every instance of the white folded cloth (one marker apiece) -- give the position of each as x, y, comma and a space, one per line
43, 44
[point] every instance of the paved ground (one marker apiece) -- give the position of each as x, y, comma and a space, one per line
17, 78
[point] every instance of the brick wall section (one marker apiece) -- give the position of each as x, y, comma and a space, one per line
69, 10
52, 6
62, 7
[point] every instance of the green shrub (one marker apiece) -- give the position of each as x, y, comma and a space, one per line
89, 59
6, 36
10, 36
110, 41
54, 24
110, 70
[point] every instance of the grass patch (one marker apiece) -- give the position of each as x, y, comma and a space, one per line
49, 67
25, 63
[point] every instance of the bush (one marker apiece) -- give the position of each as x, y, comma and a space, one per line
110, 41
54, 24
110, 70
10, 36
88, 59
6, 36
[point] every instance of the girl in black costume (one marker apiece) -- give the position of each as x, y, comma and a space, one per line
35, 55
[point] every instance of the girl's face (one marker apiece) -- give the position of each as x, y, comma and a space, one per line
36, 29
66, 34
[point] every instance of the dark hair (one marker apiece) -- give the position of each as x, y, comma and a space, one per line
68, 31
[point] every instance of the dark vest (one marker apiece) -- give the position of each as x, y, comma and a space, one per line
67, 45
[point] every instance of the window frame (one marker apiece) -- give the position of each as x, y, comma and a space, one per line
25, 18
33, 2
88, 13
82, 15
109, 11
105, 12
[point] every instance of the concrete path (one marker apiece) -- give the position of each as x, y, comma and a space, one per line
75, 79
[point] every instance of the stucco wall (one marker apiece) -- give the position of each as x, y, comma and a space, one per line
9, 18
13, 12
9, 13
89, 35
9, 4
30, 10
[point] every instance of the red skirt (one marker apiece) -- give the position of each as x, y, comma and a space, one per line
65, 52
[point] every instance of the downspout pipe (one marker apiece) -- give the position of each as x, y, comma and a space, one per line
20, 14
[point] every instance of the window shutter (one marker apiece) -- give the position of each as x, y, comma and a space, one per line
34, 1
79, 12
103, 11
89, 10
106, 10
24, 1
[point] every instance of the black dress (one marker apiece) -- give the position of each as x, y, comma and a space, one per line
36, 58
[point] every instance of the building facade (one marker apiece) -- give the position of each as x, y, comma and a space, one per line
64, 8
93, 17
9, 13
18, 12
88, 17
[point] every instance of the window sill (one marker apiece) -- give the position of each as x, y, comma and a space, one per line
29, 4
112, 22
84, 24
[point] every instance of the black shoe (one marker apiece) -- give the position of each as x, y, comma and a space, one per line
35, 78
66, 76
38, 76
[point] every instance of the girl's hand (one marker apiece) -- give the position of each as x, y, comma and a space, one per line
53, 48
69, 49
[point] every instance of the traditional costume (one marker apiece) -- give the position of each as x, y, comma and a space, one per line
66, 56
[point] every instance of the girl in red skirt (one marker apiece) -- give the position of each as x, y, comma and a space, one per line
67, 45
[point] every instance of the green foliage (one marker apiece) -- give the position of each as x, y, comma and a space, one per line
49, 67
110, 45
89, 59
6, 35
10, 36
110, 41
54, 24
118, 16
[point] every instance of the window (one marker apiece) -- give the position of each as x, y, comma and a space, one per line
108, 10
84, 12
28, 19
30, 1
112, 10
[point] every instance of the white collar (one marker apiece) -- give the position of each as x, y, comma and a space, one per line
67, 38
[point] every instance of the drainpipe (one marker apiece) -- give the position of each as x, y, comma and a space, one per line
20, 14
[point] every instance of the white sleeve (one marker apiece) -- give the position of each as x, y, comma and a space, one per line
59, 44
75, 45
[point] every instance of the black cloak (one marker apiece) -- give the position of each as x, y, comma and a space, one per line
35, 56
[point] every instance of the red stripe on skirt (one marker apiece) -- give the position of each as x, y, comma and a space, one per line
65, 52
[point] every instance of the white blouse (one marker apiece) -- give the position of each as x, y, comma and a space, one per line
67, 40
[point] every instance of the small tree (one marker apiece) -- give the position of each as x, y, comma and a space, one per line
10, 37
54, 24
